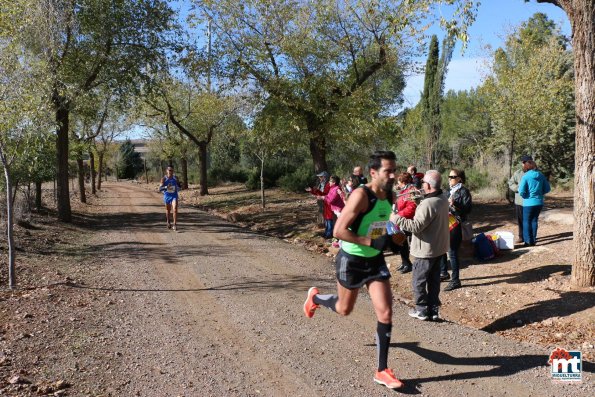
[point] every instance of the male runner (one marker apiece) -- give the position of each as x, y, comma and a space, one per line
170, 187
362, 228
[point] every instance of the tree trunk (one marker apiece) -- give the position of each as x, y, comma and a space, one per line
9, 226
262, 198
202, 158
64, 211
81, 178
318, 152
92, 171
146, 174
38, 203
184, 165
100, 168
582, 18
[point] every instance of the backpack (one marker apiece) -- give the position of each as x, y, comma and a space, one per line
483, 247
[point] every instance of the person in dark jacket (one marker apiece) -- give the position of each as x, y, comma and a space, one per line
460, 202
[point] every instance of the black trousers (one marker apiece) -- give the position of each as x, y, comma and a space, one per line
518, 211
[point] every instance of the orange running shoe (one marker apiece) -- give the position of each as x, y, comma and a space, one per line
309, 305
388, 379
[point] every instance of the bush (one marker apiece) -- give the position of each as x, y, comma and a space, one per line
231, 174
297, 180
477, 179
273, 170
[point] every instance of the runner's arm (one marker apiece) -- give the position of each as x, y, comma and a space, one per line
357, 203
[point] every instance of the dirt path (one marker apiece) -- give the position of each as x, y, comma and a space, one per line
214, 310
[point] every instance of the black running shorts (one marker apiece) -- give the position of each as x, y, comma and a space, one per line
355, 271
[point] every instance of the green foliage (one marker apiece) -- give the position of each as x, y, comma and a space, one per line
535, 60
274, 169
130, 163
330, 69
299, 179
477, 179
233, 173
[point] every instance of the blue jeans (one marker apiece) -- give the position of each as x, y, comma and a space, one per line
328, 228
456, 237
530, 218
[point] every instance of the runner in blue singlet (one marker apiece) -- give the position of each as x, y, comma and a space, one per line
170, 187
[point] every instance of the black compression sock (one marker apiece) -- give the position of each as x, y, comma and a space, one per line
382, 342
326, 301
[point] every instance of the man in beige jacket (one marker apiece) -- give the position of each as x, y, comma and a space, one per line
429, 242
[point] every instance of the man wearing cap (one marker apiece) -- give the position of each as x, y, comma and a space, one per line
513, 184
320, 192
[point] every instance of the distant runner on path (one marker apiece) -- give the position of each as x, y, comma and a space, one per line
170, 187
362, 228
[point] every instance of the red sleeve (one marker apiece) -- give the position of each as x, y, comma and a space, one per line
317, 192
408, 210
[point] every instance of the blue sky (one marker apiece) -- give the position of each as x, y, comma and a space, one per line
494, 20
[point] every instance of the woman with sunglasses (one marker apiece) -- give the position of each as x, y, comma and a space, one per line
460, 202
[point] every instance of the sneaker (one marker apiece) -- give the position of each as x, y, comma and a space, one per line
453, 285
168, 225
419, 314
388, 379
444, 276
434, 314
405, 269
309, 305
174, 227
401, 267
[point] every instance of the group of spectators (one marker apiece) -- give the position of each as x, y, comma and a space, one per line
528, 184
374, 215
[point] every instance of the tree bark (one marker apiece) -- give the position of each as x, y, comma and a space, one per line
92, 171
62, 120
184, 165
202, 159
9, 226
262, 196
100, 168
38, 192
81, 179
582, 18
318, 152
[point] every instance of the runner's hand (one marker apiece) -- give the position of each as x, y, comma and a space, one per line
380, 243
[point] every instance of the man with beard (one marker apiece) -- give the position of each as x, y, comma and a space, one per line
362, 229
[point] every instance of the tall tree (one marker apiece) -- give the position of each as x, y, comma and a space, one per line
535, 59
319, 58
89, 43
22, 107
195, 112
130, 161
431, 99
581, 14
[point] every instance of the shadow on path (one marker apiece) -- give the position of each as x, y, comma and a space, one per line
295, 283
568, 303
502, 366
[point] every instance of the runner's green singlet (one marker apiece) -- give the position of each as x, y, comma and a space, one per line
373, 225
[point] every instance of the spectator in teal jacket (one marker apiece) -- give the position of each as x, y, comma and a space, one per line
532, 188
513, 184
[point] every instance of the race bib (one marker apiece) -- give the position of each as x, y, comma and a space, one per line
377, 229
171, 188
